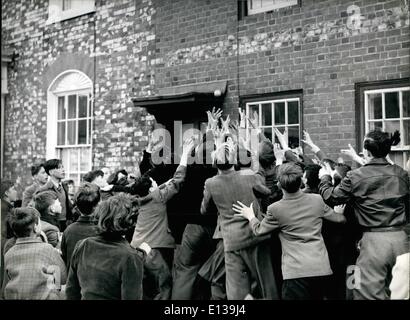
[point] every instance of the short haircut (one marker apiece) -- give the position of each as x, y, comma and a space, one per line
224, 157
35, 169
116, 215
142, 185
68, 182
43, 200
22, 221
266, 154
92, 175
379, 143
312, 175
87, 198
341, 171
243, 159
290, 177
51, 164
6, 185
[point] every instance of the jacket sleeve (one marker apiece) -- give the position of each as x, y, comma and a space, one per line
63, 248
131, 278
27, 196
58, 261
52, 237
331, 215
268, 224
172, 187
334, 196
260, 189
208, 204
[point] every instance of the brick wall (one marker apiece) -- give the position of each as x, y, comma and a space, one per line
137, 47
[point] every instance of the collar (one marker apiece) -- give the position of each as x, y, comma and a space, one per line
56, 185
290, 196
84, 218
29, 240
226, 172
377, 161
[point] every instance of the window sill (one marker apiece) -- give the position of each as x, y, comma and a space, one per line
61, 16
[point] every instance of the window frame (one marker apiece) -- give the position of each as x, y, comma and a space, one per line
53, 150
269, 8
294, 95
362, 90
60, 15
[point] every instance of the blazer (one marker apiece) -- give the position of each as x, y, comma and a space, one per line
224, 190
378, 191
152, 222
298, 216
29, 193
28, 266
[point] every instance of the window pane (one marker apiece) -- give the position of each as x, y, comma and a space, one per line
61, 108
252, 109
82, 106
293, 112
85, 159
397, 158
406, 103
66, 5
64, 158
391, 126
375, 106
268, 133
61, 133
375, 125
82, 131
280, 113
73, 160
392, 105
293, 137
71, 132
267, 114
72, 103
406, 133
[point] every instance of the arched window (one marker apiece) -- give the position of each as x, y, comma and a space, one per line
69, 123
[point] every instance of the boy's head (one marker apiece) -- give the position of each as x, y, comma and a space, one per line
290, 177
311, 176
143, 185
341, 172
87, 198
24, 222
117, 214
224, 157
7, 191
96, 177
379, 143
54, 168
46, 202
39, 173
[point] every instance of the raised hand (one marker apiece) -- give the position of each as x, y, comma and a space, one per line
254, 122
282, 137
351, 152
242, 118
326, 170
243, 210
213, 117
307, 139
225, 124
279, 154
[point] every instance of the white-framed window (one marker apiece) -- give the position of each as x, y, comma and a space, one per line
69, 123
389, 110
59, 10
258, 6
278, 113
